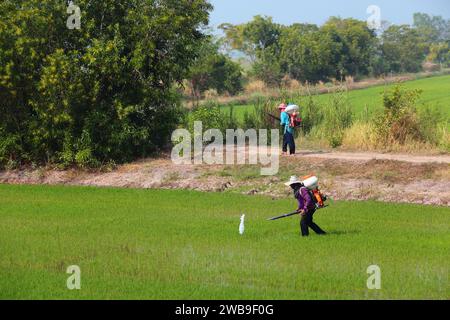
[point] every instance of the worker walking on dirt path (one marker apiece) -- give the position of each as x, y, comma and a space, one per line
306, 207
288, 131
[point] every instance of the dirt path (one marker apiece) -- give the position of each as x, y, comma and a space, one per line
343, 175
367, 156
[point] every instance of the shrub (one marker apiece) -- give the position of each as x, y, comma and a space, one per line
432, 123
9, 146
399, 121
210, 116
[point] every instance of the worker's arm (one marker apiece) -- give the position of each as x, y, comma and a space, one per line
284, 119
300, 207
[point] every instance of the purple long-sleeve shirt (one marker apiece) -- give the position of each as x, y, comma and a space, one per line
304, 200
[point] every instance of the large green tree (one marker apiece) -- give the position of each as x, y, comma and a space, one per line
213, 69
101, 92
356, 46
308, 54
402, 49
260, 40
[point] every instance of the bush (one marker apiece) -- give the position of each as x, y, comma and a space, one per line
432, 121
399, 121
211, 117
9, 146
100, 93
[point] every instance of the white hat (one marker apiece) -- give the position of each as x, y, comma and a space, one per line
293, 180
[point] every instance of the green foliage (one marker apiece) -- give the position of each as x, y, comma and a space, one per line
311, 114
210, 116
431, 115
339, 48
433, 29
230, 121
263, 36
440, 53
402, 49
268, 68
399, 120
262, 109
100, 93
433, 126
259, 39
330, 120
352, 47
214, 70
303, 51
308, 55
9, 146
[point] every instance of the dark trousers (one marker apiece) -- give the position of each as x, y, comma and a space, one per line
288, 139
307, 222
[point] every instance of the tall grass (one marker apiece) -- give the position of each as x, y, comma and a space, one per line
399, 124
336, 118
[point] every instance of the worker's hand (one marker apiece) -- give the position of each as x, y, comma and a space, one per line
301, 212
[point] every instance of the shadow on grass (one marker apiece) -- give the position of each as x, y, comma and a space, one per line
343, 233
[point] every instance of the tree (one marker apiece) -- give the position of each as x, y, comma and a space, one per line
234, 39
268, 67
99, 93
259, 39
308, 55
356, 45
440, 53
214, 70
262, 33
402, 49
432, 29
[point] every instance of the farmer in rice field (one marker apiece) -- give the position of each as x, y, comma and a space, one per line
288, 130
306, 207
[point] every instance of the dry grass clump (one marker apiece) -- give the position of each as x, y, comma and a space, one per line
255, 86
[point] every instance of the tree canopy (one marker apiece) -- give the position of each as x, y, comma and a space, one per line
337, 49
98, 93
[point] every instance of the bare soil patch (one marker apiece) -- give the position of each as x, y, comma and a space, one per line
344, 176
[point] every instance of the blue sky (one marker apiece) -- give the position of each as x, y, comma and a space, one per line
317, 11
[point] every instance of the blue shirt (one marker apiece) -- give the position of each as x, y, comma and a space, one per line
286, 122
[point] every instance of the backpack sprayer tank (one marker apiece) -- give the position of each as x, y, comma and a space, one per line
294, 111
312, 183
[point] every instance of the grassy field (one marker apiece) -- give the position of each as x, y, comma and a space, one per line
436, 92
156, 244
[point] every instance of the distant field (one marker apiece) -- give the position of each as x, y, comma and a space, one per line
155, 244
436, 92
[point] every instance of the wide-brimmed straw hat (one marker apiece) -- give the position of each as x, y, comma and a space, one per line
293, 180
